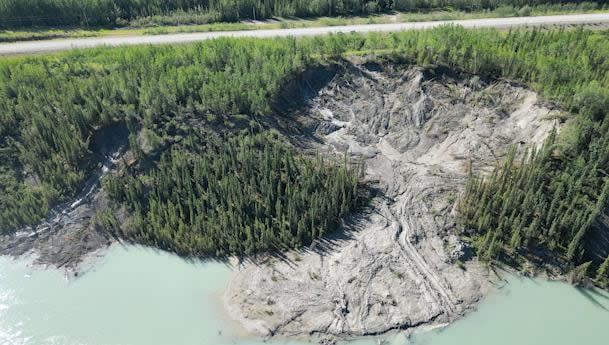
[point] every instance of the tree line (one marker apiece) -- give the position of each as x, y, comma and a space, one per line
91, 13
555, 198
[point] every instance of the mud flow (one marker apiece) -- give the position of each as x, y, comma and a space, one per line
398, 264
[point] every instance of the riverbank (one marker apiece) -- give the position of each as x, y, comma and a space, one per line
397, 265
176, 301
400, 263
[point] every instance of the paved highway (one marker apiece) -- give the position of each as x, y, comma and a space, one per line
66, 44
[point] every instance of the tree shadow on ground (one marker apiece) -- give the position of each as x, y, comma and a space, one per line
345, 232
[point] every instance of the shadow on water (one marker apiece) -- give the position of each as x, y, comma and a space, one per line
196, 259
593, 296
600, 294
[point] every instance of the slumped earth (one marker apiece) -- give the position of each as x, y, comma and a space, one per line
402, 265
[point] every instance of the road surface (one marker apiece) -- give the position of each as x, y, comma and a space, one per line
67, 44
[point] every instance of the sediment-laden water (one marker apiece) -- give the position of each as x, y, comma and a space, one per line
138, 296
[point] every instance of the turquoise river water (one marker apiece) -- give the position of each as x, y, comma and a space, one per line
138, 296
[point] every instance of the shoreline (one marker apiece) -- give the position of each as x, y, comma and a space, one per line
393, 267
225, 313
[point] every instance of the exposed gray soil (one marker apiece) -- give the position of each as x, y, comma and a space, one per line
399, 264
69, 233
63, 240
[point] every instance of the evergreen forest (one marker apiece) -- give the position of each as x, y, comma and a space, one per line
52, 106
246, 194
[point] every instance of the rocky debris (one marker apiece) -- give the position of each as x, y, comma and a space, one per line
399, 264
325, 128
327, 341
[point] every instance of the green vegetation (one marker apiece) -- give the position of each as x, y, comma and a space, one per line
50, 108
504, 11
42, 34
173, 97
554, 197
233, 193
90, 13
245, 194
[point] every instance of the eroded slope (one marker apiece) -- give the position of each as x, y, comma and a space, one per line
401, 264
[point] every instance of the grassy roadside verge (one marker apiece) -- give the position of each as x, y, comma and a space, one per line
34, 34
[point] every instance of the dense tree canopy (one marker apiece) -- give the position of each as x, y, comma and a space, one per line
23, 13
554, 197
240, 195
